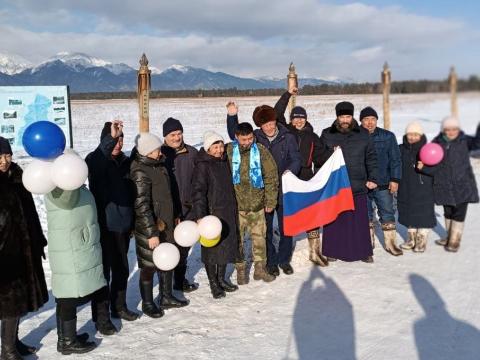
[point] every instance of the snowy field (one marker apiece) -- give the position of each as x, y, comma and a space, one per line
416, 306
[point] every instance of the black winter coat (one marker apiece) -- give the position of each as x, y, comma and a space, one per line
213, 194
153, 206
415, 200
110, 183
22, 281
313, 151
180, 166
359, 154
454, 182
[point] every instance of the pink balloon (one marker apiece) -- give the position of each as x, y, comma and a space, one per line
431, 154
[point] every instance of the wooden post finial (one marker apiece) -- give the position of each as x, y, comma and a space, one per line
143, 60
292, 82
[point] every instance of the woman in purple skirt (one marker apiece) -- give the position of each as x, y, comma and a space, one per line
348, 237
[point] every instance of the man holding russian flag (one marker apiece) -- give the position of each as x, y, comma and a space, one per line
348, 237
336, 197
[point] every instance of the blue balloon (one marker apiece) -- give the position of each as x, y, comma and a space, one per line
44, 140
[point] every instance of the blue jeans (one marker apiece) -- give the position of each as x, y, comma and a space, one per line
384, 201
285, 247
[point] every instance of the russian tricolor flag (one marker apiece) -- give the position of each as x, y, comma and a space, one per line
317, 202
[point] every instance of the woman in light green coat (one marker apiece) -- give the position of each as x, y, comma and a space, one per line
75, 257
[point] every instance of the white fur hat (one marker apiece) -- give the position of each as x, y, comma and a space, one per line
209, 138
146, 143
414, 128
450, 122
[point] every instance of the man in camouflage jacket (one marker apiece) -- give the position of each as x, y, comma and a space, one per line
256, 189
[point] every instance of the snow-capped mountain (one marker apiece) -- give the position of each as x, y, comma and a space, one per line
13, 64
80, 62
85, 73
181, 68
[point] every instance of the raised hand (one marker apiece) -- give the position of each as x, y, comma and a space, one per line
293, 90
116, 129
232, 108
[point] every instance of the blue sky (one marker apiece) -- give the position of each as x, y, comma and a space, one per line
346, 39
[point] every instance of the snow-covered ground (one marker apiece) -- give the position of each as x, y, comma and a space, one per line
421, 306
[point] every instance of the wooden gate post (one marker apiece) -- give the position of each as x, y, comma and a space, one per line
386, 81
452, 80
143, 93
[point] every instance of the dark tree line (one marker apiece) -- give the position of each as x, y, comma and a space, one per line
397, 87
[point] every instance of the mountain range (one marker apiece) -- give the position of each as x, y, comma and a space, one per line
85, 73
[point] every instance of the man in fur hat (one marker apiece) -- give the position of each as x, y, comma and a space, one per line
284, 149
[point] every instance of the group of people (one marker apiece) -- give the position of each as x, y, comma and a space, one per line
165, 182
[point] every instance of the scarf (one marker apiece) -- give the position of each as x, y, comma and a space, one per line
255, 172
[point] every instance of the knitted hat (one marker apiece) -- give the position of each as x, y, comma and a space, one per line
368, 111
209, 138
5, 147
450, 122
171, 125
264, 114
146, 143
344, 108
107, 129
414, 128
299, 113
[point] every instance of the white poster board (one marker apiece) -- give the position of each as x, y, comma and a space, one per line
21, 106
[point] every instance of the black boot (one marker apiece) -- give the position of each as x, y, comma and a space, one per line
68, 341
217, 291
167, 300
9, 335
83, 337
120, 310
104, 325
24, 349
224, 283
287, 269
368, 260
148, 306
273, 270
181, 283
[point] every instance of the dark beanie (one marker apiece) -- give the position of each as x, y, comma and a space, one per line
263, 114
344, 108
298, 112
5, 147
171, 125
107, 129
368, 111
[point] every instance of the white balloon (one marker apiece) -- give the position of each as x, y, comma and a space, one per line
37, 177
186, 233
210, 227
69, 171
166, 256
